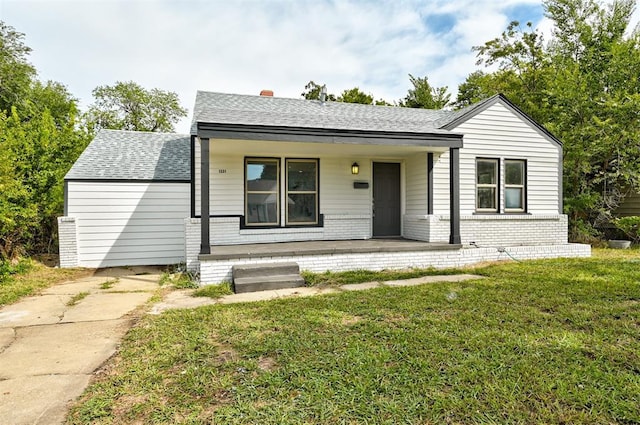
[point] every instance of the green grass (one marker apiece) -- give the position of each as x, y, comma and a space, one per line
30, 277
179, 280
214, 291
108, 284
553, 341
77, 298
359, 276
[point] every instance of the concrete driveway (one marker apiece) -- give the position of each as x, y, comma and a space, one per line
50, 347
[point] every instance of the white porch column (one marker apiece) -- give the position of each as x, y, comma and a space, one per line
454, 195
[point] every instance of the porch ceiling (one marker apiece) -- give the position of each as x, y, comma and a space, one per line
269, 148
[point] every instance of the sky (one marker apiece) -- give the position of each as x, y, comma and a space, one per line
242, 47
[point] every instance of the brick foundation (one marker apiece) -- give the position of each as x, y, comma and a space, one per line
212, 272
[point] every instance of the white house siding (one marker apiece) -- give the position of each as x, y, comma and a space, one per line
497, 132
630, 206
416, 184
337, 195
414, 224
121, 224
347, 211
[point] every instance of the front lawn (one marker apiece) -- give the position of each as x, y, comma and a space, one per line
31, 276
554, 341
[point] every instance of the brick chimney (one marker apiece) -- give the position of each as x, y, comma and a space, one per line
268, 93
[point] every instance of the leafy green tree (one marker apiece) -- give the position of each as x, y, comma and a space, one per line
381, 102
129, 106
477, 86
16, 73
54, 98
40, 138
524, 67
355, 95
423, 95
40, 152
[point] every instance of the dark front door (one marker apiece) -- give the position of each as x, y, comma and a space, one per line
386, 199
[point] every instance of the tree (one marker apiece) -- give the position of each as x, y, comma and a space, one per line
53, 97
40, 138
40, 152
312, 92
523, 67
423, 95
129, 106
16, 73
355, 95
476, 87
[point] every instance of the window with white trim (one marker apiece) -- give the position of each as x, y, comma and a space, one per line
262, 192
302, 192
487, 185
514, 185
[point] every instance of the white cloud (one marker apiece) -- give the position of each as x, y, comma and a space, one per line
246, 46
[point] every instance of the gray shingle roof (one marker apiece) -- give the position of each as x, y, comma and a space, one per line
222, 108
134, 155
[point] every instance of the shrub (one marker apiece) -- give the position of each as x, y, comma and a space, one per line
9, 268
630, 226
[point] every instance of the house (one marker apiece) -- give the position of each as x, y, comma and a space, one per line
630, 206
327, 185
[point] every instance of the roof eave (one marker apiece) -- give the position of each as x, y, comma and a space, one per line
327, 135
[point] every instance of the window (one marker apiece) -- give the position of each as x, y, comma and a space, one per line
514, 185
487, 185
302, 191
262, 187
264, 200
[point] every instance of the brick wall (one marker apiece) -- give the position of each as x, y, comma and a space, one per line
429, 228
490, 230
513, 230
212, 272
192, 243
68, 241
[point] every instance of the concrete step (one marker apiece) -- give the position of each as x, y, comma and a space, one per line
266, 276
266, 283
265, 269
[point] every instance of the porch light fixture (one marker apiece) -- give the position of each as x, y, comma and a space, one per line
355, 168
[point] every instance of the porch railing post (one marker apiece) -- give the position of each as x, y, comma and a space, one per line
454, 195
205, 243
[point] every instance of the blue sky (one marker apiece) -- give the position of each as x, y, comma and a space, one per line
246, 46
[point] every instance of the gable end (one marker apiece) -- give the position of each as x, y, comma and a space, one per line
481, 106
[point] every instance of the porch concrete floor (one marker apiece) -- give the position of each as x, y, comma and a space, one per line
284, 249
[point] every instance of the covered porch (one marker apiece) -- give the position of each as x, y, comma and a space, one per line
272, 181
342, 205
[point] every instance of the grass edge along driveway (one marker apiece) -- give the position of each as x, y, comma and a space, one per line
550, 341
